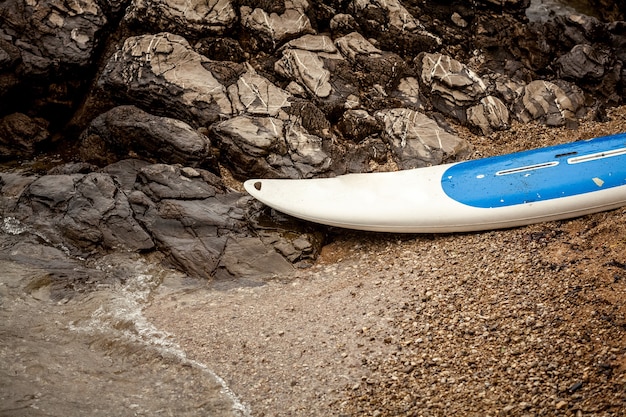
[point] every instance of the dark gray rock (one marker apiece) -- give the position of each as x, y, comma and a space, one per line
162, 181
20, 135
53, 36
292, 89
82, 213
584, 62
12, 186
128, 130
200, 225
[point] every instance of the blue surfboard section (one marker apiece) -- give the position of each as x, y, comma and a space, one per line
541, 174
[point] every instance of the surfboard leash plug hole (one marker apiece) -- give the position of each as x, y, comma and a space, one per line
258, 185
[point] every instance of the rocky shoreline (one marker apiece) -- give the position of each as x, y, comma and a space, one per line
126, 128
181, 98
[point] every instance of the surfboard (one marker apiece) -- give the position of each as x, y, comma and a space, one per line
544, 184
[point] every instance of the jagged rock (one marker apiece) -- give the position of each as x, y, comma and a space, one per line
256, 95
195, 18
452, 86
11, 188
125, 172
394, 26
128, 129
417, 141
308, 69
584, 62
272, 28
200, 225
293, 89
488, 115
548, 103
358, 124
20, 135
354, 44
53, 36
162, 181
270, 147
82, 213
162, 72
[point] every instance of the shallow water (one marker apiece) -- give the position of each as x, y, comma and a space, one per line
74, 340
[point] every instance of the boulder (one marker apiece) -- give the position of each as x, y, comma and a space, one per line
270, 147
183, 17
81, 213
164, 74
20, 135
548, 103
128, 129
271, 29
53, 36
417, 140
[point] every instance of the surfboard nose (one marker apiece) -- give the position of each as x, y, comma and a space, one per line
253, 187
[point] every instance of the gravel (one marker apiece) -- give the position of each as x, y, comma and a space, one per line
526, 321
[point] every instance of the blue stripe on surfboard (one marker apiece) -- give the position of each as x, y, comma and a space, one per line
539, 174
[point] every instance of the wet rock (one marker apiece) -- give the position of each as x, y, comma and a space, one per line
199, 225
11, 188
417, 140
125, 172
194, 18
298, 242
269, 147
162, 181
83, 213
128, 129
20, 135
